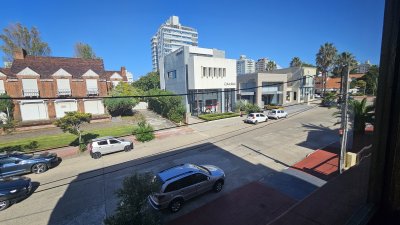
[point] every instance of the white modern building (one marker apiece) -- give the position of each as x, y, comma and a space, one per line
261, 65
245, 65
205, 74
170, 36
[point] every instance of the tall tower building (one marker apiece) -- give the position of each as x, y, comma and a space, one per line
261, 65
245, 65
170, 36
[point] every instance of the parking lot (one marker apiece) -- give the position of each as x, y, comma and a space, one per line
81, 190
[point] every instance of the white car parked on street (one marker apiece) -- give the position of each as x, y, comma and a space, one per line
255, 118
277, 113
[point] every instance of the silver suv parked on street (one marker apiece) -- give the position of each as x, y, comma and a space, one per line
104, 145
181, 183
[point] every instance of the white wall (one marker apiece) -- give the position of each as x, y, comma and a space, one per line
196, 81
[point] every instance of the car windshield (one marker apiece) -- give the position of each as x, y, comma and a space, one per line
205, 170
22, 156
251, 115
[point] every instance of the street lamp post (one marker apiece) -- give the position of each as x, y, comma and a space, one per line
344, 122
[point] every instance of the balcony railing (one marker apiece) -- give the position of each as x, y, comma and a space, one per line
30, 92
64, 92
92, 91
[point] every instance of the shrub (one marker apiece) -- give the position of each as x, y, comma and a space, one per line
9, 126
272, 106
143, 132
82, 147
170, 107
122, 106
251, 108
133, 207
217, 116
32, 146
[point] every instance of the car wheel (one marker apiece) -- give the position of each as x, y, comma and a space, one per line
176, 205
39, 168
127, 148
218, 186
255, 122
96, 155
4, 204
285, 116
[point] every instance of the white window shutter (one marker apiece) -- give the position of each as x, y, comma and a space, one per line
30, 84
63, 84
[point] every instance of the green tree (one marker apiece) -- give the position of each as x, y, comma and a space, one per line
72, 122
170, 107
133, 207
328, 98
371, 79
84, 51
296, 62
122, 106
18, 36
343, 59
6, 104
361, 85
362, 114
304, 64
149, 81
271, 65
325, 59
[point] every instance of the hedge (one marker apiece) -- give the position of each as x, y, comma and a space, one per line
218, 116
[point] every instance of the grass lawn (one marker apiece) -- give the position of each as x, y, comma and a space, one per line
65, 139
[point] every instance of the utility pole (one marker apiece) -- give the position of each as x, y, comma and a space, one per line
344, 122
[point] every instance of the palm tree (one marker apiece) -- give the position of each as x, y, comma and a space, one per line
325, 59
296, 62
362, 114
341, 61
271, 65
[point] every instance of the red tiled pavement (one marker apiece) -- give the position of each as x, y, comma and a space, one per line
320, 163
251, 204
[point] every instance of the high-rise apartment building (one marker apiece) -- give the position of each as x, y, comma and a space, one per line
169, 37
245, 65
364, 67
261, 65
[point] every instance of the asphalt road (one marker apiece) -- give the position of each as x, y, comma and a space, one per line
81, 190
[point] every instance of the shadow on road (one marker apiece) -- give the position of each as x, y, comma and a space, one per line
266, 193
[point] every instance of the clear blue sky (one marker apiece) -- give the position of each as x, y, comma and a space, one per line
120, 30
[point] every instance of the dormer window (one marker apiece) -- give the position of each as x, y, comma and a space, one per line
30, 88
91, 87
63, 87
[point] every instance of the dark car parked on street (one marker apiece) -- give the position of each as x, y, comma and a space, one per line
18, 163
13, 189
